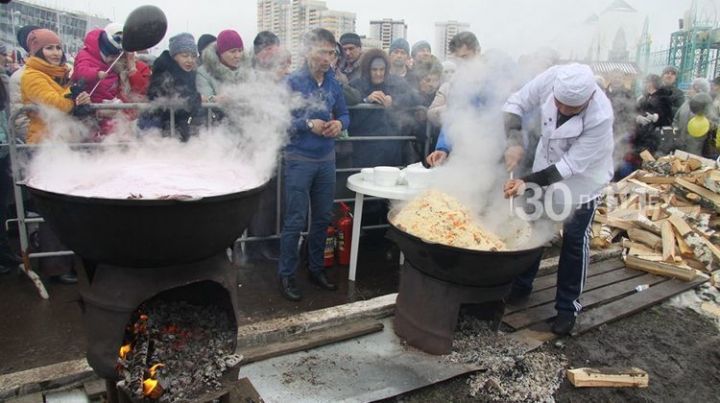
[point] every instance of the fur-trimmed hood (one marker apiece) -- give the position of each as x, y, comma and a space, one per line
212, 73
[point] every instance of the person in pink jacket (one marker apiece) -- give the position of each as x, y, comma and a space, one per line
92, 66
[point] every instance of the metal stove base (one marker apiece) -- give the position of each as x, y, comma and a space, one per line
427, 309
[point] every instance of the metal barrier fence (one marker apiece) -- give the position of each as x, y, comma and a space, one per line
23, 220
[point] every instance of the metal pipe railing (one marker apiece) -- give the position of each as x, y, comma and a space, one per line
22, 219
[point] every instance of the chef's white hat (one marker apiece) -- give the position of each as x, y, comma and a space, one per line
574, 84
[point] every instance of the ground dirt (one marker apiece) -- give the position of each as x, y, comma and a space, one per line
677, 346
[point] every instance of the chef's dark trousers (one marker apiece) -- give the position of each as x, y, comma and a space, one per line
574, 259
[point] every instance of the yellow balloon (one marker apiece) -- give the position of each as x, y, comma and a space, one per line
698, 126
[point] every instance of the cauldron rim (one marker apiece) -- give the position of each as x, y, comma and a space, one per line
94, 200
456, 249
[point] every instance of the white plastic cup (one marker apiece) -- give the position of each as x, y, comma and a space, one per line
367, 174
386, 176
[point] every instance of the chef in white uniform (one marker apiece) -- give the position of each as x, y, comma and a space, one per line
573, 163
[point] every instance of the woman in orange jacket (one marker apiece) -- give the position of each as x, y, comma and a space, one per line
46, 80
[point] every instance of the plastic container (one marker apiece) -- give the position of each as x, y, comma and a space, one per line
386, 176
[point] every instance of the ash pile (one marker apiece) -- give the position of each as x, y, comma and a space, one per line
509, 372
174, 351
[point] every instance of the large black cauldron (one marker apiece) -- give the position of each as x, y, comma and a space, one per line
463, 266
147, 233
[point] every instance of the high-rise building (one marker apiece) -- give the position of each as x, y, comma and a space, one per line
444, 32
274, 16
70, 26
387, 30
337, 22
291, 19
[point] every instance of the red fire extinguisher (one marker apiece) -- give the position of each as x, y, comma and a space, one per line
344, 235
330, 247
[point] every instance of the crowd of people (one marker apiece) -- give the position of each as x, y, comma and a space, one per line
409, 87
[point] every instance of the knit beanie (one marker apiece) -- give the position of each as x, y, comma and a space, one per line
181, 43
670, 69
107, 46
350, 38
420, 45
204, 41
400, 43
39, 38
227, 40
22, 35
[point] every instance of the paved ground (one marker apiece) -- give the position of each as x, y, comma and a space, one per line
40, 332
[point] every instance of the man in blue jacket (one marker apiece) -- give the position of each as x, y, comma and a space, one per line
309, 177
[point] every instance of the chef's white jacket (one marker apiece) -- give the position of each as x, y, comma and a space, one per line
581, 148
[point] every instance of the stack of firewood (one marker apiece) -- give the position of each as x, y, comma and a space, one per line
666, 216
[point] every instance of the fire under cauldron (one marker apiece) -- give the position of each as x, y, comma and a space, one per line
134, 250
436, 280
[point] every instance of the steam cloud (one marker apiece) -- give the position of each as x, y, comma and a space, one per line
239, 154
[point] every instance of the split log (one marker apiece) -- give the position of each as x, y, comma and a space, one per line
694, 164
646, 156
684, 155
680, 225
608, 377
701, 191
645, 237
686, 251
660, 268
668, 242
657, 180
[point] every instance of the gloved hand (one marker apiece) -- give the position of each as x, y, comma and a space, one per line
653, 117
642, 120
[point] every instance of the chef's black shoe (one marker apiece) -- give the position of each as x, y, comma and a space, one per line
7, 269
564, 323
321, 280
67, 278
517, 296
289, 289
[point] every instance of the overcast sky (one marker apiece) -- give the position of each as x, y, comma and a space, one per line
518, 26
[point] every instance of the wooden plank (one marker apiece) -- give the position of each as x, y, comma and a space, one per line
310, 340
645, 237
668, 242
680, 225
634, 303
521, 319
608, 377
549, 280
545, 296
660, 268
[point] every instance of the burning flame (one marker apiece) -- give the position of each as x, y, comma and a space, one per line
124, 350
154, 368
151, 387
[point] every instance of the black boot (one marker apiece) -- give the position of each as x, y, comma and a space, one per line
564, 323
289, 289
321, 280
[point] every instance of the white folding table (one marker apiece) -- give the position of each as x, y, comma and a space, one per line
361, 188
